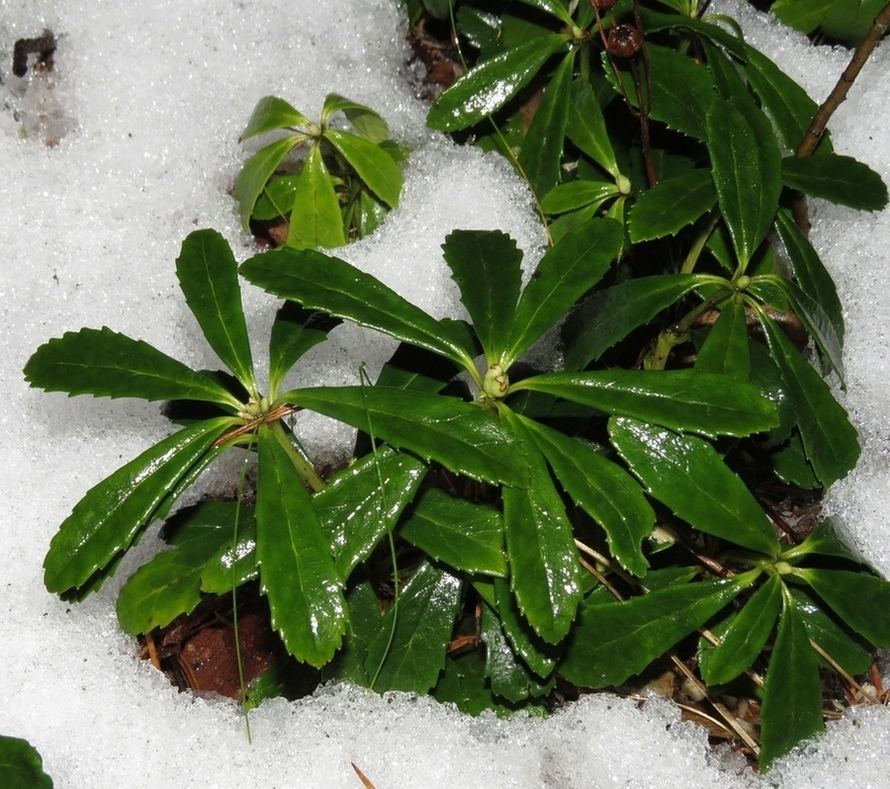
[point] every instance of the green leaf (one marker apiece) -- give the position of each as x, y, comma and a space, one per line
746, 166
830, 440
234, 564
277, 197
466, 536
746, 636
792, 696
544, 566
272, 113
21, 766
586, 127
208, 276
839, 179
315, 219
685, 400
541, 153
614, 313
555, 7
363, 625
824, 540
364, 120
672, 205
109, 517
356, 510
103, 363
861, 599
604, 490
689, 476
323, 282
411, 653
726, 349
373, 164
297, 571
613, 641
492, 84
459, 435
536, 653
565, 273
294, 332
485, 264
724, 70
257, 171
578, 194
170, 584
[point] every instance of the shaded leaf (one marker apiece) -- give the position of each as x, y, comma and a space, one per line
536, 653
839, 179
586, 127
672, 205
364, 120
257, 171
315, 219
294, 332
373, 164
726, 349
578, 194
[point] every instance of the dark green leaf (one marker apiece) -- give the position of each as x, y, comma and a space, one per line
689, 476
544, 566
672, 205
103, 363
315, 218
294, 332
565, 273
492, 84
466, 536
297, 571
257, 171
272, 113
684, 400
536, 653
604, 490
277, 198
824, 540
112, 514
746, 635
791, 466
485, 264
364, 120
586, 127
726, 75
838, 179
830, 440
373, 164
21, 766
746, 162
459, 435
792, 697
578, 194
323, 282
409, 654
613, 314
705, 29
555, 7
364, 624
726, 350
208, 276
613, 641
235, 564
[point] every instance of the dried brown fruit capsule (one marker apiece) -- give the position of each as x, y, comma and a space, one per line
624, 41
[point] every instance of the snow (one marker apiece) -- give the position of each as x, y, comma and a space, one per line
145, 107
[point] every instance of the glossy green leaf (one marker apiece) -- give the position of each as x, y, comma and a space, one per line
21, 766
707, 29
614, 313
726, 349
846, 20
824, 539
565, 273
725, 71
838, 179
861, 599
830, 440
459, 435
277, 197
373, 164
103, 363
234, 564
356, 510
364, 624
297, 571
411, 654
685, 400
672, 205
323, 282
492, 84
272, 113
170, 584
586, 127
257, 171
466, 536
604, 490
315, 219
786, 102
485, 264
294, 332
208, 276
792, 696
555, 7
364, 120
536, 653
544, 566
508, 675
746, 636
791, 465
577, 194
746, 163
540, 156
809, 271
688, 475
613, 641
112, 514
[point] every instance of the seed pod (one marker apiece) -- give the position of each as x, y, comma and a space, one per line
603, 5
624, 41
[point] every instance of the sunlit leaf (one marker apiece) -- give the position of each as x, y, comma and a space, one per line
364, 120
272, 113
374, 165
257, 171
315, 219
